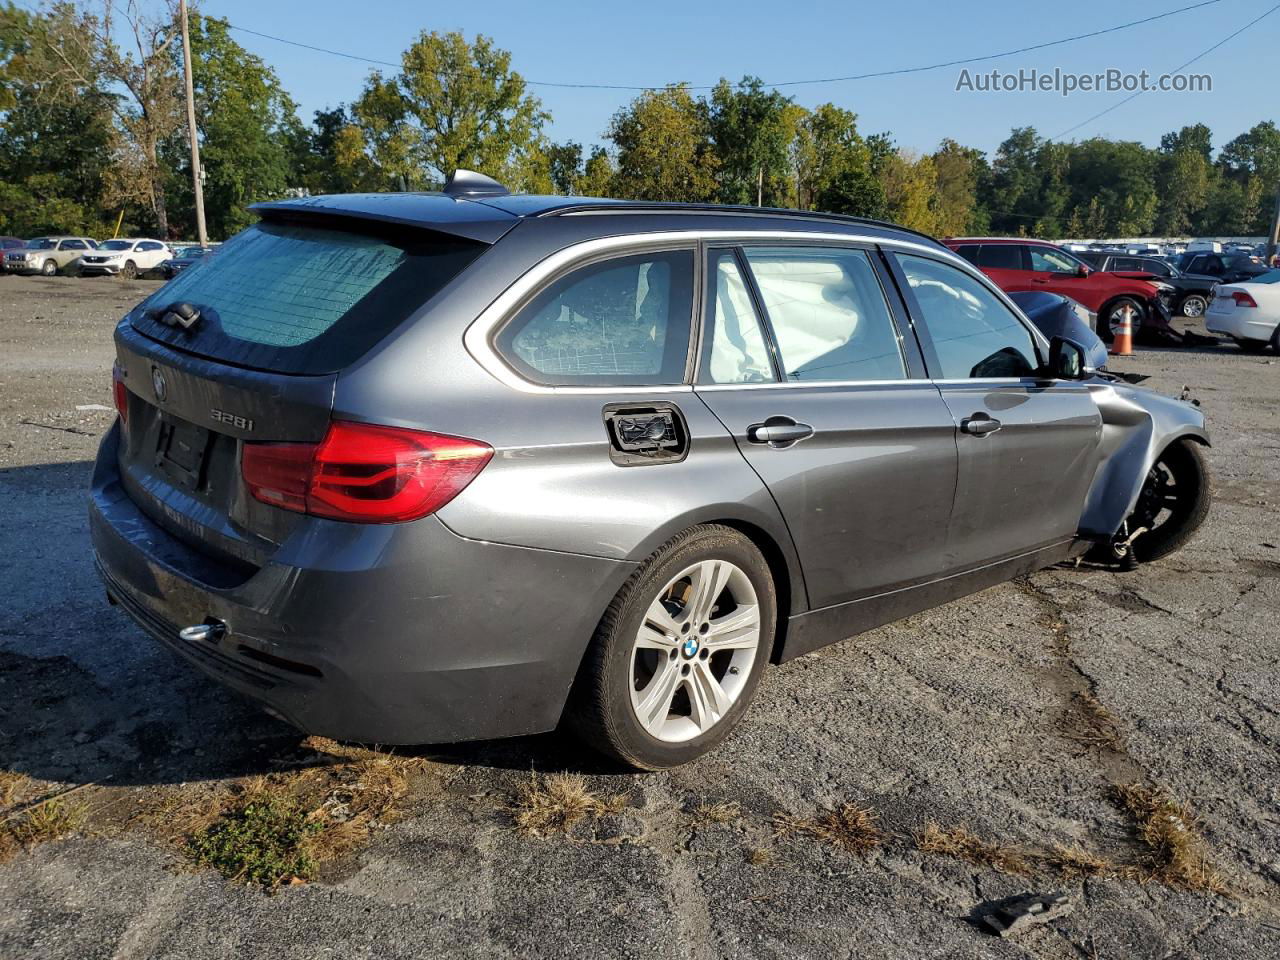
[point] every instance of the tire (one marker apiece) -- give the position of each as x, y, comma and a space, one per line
1275, 340
129, 271
638, 665
1193, 306
1114, 307
1252, 346
1187, 503
49, 268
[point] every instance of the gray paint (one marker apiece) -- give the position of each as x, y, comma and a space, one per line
472, 623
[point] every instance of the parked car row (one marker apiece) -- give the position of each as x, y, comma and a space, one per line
86, 257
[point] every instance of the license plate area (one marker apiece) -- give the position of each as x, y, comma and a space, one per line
181, 451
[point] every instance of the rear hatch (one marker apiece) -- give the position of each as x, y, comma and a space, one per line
246, 347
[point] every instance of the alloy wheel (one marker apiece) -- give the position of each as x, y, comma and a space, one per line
1193, 306
694, 651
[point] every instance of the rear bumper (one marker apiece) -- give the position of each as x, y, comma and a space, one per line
390, 634
1238, 324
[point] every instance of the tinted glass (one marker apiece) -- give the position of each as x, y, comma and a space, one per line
737, 351
1055, 261
73, 245
43, 243
623, 321
969, 251
974, 334
1001, 256
1158, 267
828, 314
117, 245
300, 299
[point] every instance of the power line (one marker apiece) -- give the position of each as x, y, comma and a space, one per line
785, 83
1198, 56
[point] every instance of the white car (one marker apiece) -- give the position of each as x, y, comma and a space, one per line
1248, 313
129, 258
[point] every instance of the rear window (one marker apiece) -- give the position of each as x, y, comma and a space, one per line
301, 299
1000, 256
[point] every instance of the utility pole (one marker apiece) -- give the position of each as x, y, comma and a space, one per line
1273, 241
760, 188
196, 181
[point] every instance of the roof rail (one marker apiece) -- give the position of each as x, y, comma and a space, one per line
468, 183
651, 206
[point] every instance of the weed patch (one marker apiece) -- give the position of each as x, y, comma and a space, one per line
961, 843
268, 839
554, 804
850, 828
1170, 832
722, 811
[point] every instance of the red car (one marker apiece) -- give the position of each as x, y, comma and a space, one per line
1017, 265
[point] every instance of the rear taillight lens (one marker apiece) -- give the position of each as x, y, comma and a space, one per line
121, 394
364, 473
1243, 299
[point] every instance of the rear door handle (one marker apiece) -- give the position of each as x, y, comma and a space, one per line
779, 432
979, 425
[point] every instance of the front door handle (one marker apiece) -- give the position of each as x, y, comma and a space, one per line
779, 432
979, 424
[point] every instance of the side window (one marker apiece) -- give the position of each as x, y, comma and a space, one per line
969, 251
1157, 267
1001, 256
975, 335
148, 245
828, 313
1053, 261
71, 245
737, 352
622, 321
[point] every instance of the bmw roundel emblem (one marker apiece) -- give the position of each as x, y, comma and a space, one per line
157, 383
690, 647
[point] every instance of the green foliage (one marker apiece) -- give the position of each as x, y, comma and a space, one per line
247, 126
751, 131
664, 148
267, 840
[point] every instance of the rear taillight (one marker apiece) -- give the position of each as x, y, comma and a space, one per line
121, 394
1243, 299
364, 473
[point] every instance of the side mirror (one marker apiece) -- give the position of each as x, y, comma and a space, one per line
1082, 271
1068, 360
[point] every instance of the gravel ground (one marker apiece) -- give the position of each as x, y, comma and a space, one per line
982, 713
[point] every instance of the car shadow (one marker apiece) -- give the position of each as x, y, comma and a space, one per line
87, 697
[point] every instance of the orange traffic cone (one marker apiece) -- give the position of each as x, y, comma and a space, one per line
1122, 333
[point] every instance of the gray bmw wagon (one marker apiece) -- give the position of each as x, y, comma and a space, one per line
416, 468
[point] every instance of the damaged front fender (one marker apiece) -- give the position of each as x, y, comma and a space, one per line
1137, 425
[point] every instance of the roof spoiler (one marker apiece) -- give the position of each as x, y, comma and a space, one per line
468, 183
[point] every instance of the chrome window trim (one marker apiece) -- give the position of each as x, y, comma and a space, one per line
478, 337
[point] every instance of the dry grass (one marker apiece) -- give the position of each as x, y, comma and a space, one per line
557, 802
1076, 863
963, 844
12, 786
760, 856
52, 820
1170, 832
722, 811
284, 827
1093, 723
850, 828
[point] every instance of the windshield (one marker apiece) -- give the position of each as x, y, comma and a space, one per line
42, 243
117, 245
190, 253
302, 299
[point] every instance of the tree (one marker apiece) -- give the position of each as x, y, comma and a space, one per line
53, 149
247, 126
597, 175
909, 182
751, 130
955, 206
664, 148
564, 161
454, 104
832, 164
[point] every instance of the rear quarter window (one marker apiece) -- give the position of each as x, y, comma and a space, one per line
296, 298
623, 321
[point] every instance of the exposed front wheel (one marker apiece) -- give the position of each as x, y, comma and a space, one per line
1174, 501
678, 654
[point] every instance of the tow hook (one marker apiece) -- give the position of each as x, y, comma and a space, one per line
211, 631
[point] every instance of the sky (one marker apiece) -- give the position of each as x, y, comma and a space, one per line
656, 42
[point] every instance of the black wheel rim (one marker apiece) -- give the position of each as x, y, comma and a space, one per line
1166, 499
